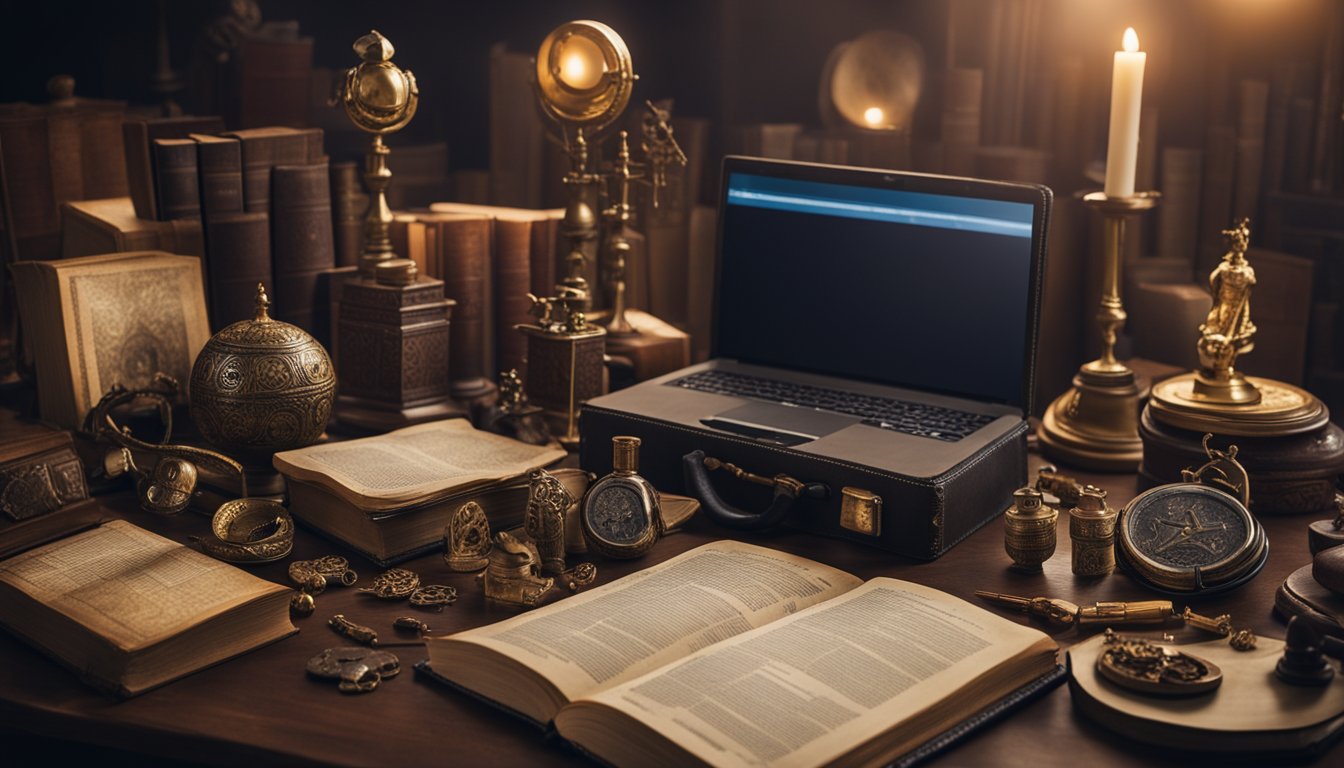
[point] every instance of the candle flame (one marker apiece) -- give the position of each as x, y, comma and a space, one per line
1131, 40
574, 68
873, 116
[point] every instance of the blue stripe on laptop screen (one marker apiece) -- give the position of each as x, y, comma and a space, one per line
961, 213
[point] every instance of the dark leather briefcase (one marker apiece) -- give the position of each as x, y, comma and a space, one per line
873, 346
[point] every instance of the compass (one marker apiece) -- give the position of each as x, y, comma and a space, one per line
1187, 537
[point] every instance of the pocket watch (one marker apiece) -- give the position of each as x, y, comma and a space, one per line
620, 514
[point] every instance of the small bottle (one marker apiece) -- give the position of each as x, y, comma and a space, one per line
620, 515
1029, 530
1092, 529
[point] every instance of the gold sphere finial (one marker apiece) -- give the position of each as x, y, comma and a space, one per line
374, 48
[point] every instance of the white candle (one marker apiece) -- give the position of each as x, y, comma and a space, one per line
1122, 150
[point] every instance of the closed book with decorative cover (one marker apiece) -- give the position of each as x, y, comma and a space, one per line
137, 137
512, 282
175, 175
263, 149
220, 160
301, 238
240, 257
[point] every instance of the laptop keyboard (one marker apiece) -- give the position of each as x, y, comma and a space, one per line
919, 419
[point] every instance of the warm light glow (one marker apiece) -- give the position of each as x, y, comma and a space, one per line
873, 116
1131, 40
581, 64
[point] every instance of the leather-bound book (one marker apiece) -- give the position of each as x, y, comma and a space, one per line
512, 282
220, 160
176, 180
90, 227
301, 241
348, 203
240, 257
263, 149
464, 256
43, 495
273, 77
137, 137
102, 152
29, 193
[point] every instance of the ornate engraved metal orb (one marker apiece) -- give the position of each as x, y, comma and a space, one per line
261, 386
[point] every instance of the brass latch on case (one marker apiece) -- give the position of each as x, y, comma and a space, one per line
861, 511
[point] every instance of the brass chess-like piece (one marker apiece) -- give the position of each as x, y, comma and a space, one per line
548, 505
1303, 662
1092, 531
513, 576
467, 539
1029, 534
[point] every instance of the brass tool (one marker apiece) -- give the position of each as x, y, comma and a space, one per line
1066, 613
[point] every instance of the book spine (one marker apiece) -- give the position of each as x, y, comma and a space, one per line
512, 265
542, 259
301, 240
139, 168
464, 247
240, 257
1177, 237
515, 131
348, 203
175, 175
103, 154
221, 166
260, 155
67, 165
29, 193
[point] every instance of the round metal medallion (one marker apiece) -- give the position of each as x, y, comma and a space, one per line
1186, 537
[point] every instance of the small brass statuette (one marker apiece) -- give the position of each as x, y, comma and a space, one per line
1092, 531
1065, 489
1197, 535
1065, 613
565, 355
513, 416
332, 568
394, 584
1303, 662
1145, 667
467, 539
513, 576
620, 514
358, 670
1217, 397
1242, 640
1029, 530
548, 504
249, 530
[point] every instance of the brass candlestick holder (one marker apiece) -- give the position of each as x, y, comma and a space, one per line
1095, 424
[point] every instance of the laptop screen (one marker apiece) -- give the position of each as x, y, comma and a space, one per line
922, 282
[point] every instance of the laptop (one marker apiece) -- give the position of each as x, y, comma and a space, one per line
879, 318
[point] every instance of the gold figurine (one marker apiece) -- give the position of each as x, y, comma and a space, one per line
1092, 531
513, 576
548, 505
467, 539
1029, 530
1227, 331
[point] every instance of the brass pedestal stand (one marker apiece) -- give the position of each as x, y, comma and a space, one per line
1095, 423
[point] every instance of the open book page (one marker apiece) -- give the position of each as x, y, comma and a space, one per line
414, 464
130, 586
809, 688
651, 618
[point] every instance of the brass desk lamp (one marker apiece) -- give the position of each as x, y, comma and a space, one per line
869, 89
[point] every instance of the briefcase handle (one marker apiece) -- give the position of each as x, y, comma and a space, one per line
697, 467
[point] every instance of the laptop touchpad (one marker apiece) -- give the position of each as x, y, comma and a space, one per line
786, 425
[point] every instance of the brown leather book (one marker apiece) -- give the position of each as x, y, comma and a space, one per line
137, 136
102, 151
43, 495
263, 149
512, 281
27, 181
176, 180
348, 204
220, 161
464, 256
272, 81
301, 240
240, 257
90, 227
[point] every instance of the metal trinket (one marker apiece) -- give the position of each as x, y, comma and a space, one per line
1142, 666
302, 604
359, 670
434, 596
1066, 613
1242, 640
395, 584
548, 504
1218, 625
513, 576
1029, 535
582, 575
330, 568
249, 530
467, 539
1065, 489
860, 511
621, 514
410, 624
1092, 531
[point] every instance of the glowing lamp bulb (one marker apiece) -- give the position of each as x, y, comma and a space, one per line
1131, 40
873, 116
581, 64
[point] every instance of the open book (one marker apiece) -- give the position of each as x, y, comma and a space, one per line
732, 654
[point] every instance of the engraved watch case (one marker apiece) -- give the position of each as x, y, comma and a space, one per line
1187, 538
620, 515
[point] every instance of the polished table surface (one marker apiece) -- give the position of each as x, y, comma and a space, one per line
262, 706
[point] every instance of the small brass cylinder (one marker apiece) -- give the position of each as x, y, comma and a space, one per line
625, 454
1092, 529
1029, 535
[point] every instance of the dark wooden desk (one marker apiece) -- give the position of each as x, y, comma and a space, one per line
263, 707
